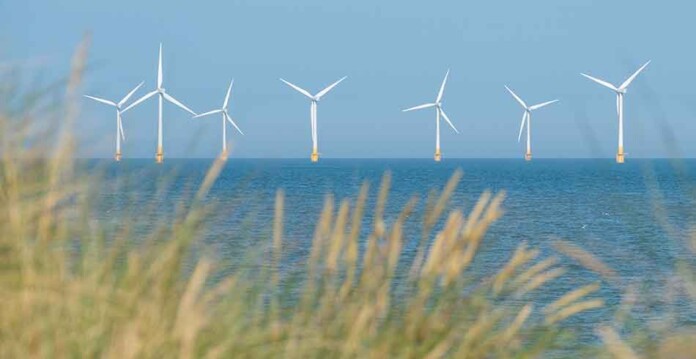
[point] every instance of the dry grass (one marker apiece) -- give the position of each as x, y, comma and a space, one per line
69, 288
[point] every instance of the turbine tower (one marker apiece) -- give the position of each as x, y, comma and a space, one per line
527, 119
225, 117
313, 112
163, 95
620, 92
439, 112
120, 135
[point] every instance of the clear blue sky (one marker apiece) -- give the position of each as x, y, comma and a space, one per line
395, 53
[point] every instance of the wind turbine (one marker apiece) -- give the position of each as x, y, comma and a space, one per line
526, 119
620, 92
439, 111
120, 135
163, 95
313, 112
225, 117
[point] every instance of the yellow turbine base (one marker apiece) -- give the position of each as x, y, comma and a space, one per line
314, 157
159, 157
620, 158
438, 155
117, 156
528, 156
224, 155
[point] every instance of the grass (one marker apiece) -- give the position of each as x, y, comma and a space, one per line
70, 288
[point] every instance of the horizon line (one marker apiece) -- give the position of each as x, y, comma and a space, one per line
385, 158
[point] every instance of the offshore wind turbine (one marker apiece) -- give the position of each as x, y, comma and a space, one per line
225, 117
620, 92
313, 112
439, 112
120, 135
527, 119
163, 95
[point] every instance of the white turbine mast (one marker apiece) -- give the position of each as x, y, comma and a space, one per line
120, 134
313, 112
438, 112
225, 118
526, 120
163, 95
620, 92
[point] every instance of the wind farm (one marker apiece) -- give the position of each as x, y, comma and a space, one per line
436, 105
527, 121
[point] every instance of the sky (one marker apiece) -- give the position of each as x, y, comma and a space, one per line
395, 54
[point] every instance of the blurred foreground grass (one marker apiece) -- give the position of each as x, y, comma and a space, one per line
69, 288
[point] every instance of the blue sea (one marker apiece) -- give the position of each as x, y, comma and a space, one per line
635, 217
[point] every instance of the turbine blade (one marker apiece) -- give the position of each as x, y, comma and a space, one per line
159, 68
633, 77
171, 99
542, 105
601, 82
130, 94
427, 105
618, 113
299, 89
442, 87
516, 97
229, 119
442, 112
207, 113
101, 100
227, 97
136, 103
524, 119
326, 90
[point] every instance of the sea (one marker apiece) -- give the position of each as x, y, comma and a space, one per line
638, 218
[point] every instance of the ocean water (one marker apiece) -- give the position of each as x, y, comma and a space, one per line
636, 217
